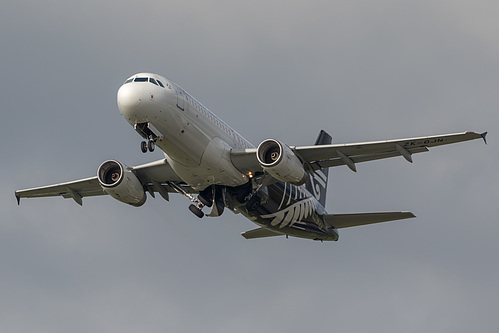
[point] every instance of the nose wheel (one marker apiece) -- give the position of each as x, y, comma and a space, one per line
147, 146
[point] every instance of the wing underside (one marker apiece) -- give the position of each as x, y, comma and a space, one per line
75, 189
324, 156
155, 177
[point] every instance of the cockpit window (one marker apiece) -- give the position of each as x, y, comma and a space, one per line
146, 79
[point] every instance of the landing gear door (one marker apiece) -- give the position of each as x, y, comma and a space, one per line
148, 131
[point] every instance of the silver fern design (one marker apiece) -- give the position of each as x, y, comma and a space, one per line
319, 183
294, 213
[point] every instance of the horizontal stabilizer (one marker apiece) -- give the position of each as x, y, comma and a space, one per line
260, 233
352, 220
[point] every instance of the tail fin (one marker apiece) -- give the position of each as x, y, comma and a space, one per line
317, 182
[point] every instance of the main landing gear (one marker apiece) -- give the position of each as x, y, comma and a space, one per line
251, 195
221, 197
216, 197
147, 146
253, 203
195, 208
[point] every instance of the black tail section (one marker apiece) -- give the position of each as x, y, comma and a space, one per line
317, 182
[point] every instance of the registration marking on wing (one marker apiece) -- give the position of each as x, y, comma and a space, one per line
423, 142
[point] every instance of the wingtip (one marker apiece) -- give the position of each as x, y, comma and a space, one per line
484, 137
18, 199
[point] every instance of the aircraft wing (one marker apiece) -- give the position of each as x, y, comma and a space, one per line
74, 189
325, 156
155, 177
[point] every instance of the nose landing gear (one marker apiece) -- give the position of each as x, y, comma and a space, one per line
147, 146
150, 133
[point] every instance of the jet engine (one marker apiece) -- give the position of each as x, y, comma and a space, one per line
279, 161
120, 182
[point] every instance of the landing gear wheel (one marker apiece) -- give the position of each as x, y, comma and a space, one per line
150, 145
205, 201
143, 146
196, 211
253, 203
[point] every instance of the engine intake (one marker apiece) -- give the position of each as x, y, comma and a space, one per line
120, 182
280, 162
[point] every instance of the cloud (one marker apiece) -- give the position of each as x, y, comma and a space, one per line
362, 71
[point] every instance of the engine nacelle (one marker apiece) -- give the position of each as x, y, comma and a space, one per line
280, 162
121, 183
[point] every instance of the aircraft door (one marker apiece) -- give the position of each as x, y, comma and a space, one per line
180, 98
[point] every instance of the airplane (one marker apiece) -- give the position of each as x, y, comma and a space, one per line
280, 188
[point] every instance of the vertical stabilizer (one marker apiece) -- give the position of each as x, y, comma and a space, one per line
317, 182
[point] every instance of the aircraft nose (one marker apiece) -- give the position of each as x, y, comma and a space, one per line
129, 97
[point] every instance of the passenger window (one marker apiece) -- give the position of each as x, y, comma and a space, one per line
152, 80
141, 79
161, 84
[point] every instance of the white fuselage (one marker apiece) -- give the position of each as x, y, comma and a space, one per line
196, 142
197, 145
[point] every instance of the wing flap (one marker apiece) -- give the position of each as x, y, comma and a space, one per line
357, 219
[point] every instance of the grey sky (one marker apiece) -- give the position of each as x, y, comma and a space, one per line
361, 70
